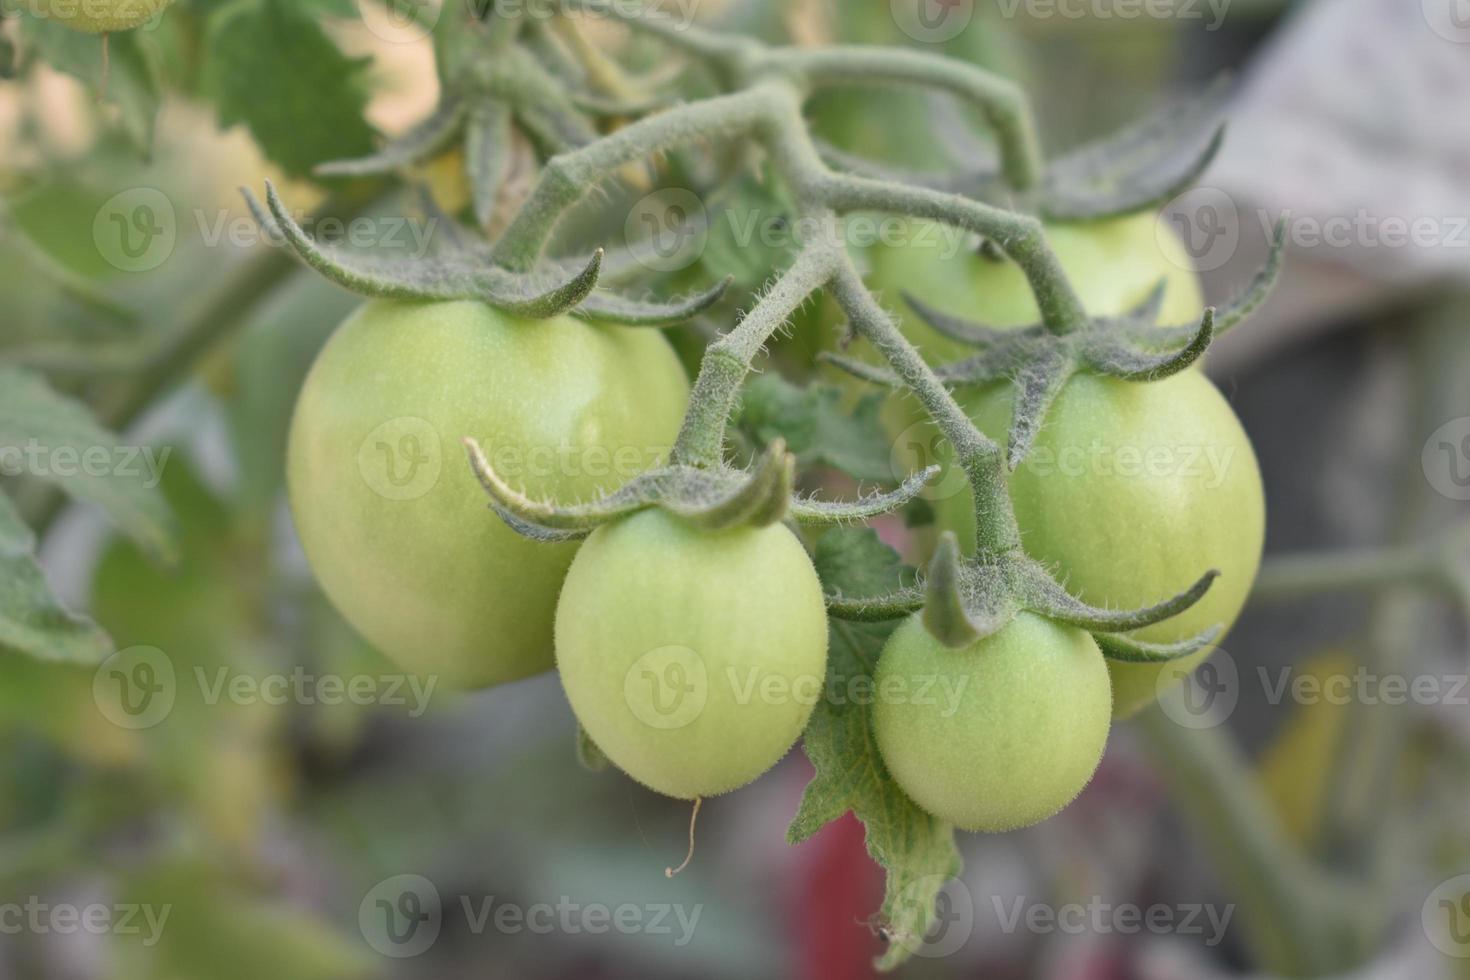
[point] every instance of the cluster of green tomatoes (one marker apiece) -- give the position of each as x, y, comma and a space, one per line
693, 658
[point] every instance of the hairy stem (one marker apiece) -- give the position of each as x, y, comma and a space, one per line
981, 459
728, 360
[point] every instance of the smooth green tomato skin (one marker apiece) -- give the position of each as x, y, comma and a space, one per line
693, 659
1131, 493
98, 16
1113, 265
395, 524
996, 736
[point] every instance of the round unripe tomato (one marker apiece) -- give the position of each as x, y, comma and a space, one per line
1131, 493
996, 736
395, 524
99, 16
1113, 266
693, 659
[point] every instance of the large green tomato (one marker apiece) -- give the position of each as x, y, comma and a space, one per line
98, 16
1113, 265
693, 659
996, 736
395, 525
1132, 492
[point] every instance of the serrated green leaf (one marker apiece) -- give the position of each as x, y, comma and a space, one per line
55, 438
817, 428
273, 68
32, 620
916, 850
131, 72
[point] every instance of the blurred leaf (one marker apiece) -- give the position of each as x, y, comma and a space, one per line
916, 850
56, 439
132, 71
32, 620
273, 68
588, 754
216, 929
817, 428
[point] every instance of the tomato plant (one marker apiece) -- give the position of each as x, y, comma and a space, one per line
692, 658
99, 16
998, 735
1133, 490
392, 519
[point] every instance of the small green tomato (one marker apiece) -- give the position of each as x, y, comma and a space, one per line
693, 659
998, 735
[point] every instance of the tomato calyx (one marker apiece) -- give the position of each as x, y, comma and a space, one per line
463, 270
963, 601
1039, 362
714, 498
1137, 169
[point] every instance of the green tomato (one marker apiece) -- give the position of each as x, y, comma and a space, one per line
98, 16
693, 659
395, 525
1113, 265
996, 736
1131, 493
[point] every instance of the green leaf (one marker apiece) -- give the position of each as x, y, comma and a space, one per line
588, 754
54, 438
817, 428
273, 68
916, 850
132, 71
32, 620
